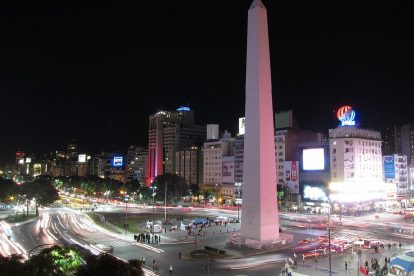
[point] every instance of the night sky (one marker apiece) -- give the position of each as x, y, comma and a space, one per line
94, 74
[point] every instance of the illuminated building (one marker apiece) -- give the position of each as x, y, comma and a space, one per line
189, 165
136, 165
355, 154
288, 137
357, 164
20, 165
218, 159
396, 172
170, 131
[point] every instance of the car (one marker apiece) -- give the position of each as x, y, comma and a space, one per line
305, 241
103, 247
314, 253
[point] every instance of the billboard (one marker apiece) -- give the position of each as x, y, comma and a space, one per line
82, 158
228, 169
389, 167
313, 159
242, 125
292, 176
117, 161
314, 191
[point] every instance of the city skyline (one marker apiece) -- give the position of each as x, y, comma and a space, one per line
77, 73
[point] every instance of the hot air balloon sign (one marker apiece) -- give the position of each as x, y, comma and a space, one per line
346, 115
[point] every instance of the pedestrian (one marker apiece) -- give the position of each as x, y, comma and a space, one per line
171, 269
143, 260
294, 255
389, 246
179, 255
346, 265
303, 258
153, 263
399, 245
366, 264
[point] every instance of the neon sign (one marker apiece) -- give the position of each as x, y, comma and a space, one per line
346, 115
183, 108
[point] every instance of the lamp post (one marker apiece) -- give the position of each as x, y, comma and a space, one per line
165, 202
329, 236
126, 214
153, 188
208, 262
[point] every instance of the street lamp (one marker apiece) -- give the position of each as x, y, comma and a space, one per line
153, 188
329, 235
126, 214
208, 262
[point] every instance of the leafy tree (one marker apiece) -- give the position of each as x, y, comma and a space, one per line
7, 188
105, 264
12, 265
176, 186
42, 191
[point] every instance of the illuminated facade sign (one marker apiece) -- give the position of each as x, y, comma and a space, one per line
118, 161
183, 108
82, 158
346, 115
242, 125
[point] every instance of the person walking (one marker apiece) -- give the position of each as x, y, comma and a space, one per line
171, 269
346, 265
303, 259
389, 246
179, 255
399, 245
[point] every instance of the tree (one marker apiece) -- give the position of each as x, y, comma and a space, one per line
42, 191
55, 261
176, 186
105, 264
12, 265
7, 188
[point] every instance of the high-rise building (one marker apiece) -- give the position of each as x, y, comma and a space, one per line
170, 131
134, 167
189, 165
404, 142
396, 171
355, 154
218, 168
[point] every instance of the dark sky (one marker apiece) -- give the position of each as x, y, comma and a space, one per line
71, 72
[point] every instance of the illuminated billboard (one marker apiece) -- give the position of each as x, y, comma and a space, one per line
242, 125
314, 191
389, 167
82, 158
292, 176
28, 160
346, 115
228, 169
313, 159
117, 161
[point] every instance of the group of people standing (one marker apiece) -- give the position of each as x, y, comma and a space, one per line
148, 238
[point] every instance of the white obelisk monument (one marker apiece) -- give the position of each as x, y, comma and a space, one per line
260, 216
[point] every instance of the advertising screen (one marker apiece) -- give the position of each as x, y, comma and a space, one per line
292, 176
313, 159
117, 161
228, 169
314, 192
242, 125
389, 167
82, 158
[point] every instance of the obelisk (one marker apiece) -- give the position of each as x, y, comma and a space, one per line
260, 216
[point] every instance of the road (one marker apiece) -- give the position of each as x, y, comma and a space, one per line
67, 227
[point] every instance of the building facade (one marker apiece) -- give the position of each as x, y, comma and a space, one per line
168, 132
